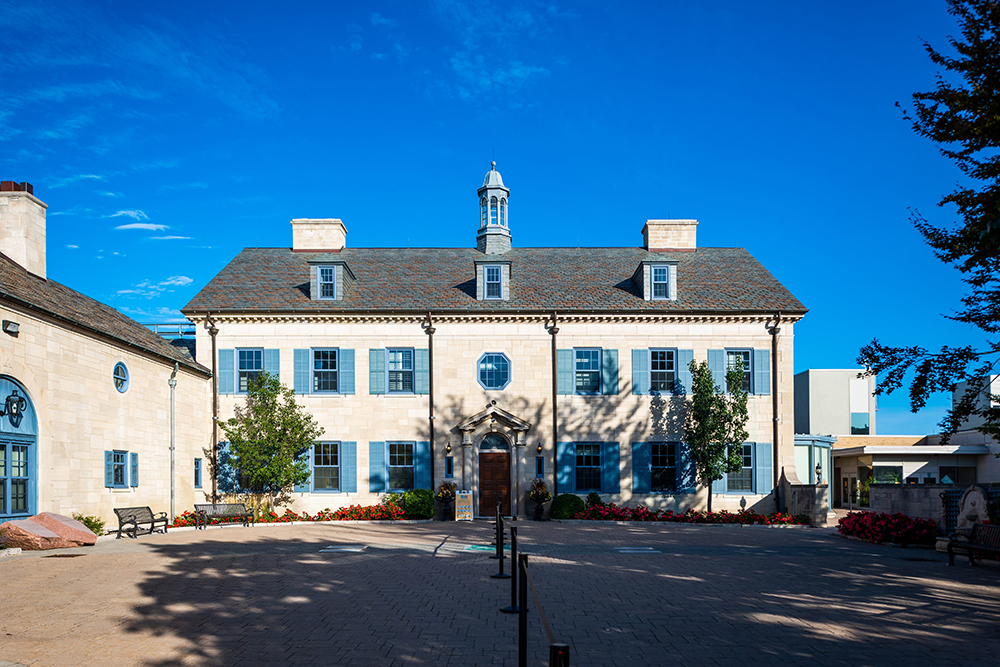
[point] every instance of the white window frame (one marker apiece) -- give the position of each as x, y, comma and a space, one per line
666, 455
240, 371
653, 282
339, 465
313, 370
412, 465
599, 467
673, 353
600, 366
321, 283
389, 370
747, 354
487, 282
747, 447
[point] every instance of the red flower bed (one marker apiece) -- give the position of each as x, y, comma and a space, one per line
352, 513
612, 512
896, 528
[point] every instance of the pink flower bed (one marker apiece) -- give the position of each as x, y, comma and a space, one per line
895, 528
612, 512
352, 513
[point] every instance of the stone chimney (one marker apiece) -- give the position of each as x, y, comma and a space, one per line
670, 235
22, 226
318, 235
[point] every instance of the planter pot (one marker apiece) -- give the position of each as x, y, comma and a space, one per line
447, 514
540, 510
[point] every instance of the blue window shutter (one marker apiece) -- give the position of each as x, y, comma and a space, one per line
763, 472
566, 466
346, 371
133, 478
227, 372
229, 480
641, 471
720, 485
109, 468
376, 372
421, 375
762, 372
302, 372
611, 473
687, 471
684, 379
376, 467
422, 465
306, 487
272, 362
349, 467
717, 364
640, 372
609, 372
564, 372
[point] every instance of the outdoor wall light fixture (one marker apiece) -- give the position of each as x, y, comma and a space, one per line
539, 448
11, 328
819, 473
447, 448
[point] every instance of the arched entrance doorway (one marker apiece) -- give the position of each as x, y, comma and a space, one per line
494, 474
18, 451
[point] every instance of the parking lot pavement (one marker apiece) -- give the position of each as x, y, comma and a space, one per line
382, 595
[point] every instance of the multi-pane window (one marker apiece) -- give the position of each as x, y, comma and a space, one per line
324, 370
494, 371
400, 465
661, 282
400, 370
743, 479
251, 363
482, 212
493, 287
588, 466
120, 377
736, 357
493, 210
663, 467
119, 477
326, 466
587, 369
662, 370
503, 212
197, 473
327, 282
19, 479
3, 478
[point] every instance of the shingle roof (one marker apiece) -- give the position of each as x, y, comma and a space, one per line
724, 280
20, 287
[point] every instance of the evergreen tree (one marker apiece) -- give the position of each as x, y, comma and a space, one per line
268, 440
962, 116
715, 424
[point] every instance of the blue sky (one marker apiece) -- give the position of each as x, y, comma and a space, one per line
167, 137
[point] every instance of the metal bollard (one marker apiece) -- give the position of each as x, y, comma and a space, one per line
522, 614
513, 608
558, 655
499, 555
498, 533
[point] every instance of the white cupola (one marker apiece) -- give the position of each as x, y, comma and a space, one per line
494, 226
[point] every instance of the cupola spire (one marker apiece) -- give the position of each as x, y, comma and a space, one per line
494, 224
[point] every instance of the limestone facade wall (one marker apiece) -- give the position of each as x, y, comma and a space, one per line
68, 376
459, 342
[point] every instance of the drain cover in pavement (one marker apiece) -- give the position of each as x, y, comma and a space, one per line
637, 550
343, 548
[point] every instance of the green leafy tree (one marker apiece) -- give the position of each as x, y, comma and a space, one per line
962, 116
715, 424
268, 439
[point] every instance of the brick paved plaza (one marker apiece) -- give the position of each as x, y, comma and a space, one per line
414, 596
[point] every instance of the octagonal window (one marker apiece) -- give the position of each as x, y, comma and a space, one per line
494, 370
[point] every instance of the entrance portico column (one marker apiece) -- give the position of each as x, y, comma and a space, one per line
517, 470
467, 460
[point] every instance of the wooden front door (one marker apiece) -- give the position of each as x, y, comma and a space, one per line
494, 482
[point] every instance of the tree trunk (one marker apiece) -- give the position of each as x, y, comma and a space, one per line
709, 487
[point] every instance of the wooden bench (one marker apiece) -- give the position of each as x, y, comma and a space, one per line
130, 520
236, 511
983, 538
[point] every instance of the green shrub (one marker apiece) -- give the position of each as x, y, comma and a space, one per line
419, 504
594, 500
95, 524
565, 506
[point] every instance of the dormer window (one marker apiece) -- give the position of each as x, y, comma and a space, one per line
661, 282
493, 282
327, 278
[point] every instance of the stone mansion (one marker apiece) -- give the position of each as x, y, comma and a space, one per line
489, 365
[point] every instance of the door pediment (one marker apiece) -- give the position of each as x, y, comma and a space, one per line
493, 415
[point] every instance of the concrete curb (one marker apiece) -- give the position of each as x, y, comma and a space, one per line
685, 523
13, 551
180, 529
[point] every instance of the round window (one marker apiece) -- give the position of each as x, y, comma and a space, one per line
494, 370
120, 376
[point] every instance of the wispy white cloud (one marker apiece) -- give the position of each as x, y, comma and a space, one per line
169, 238
75, 210
137, 214
61, 182
111, 194
161, 315
143, 225
148, 289
72, 246
381, 21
